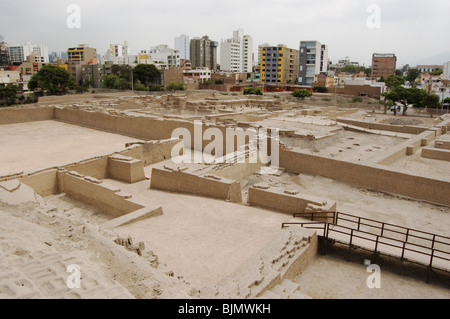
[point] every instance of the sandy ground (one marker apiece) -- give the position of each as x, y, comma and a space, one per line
362, 202
35, 145
197, 241
343, 274
59, 225
223, 234
423, 166
345, 145
40, 237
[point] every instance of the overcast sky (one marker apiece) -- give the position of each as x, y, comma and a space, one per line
416, 31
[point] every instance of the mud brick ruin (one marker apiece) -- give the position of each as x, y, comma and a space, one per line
91, 180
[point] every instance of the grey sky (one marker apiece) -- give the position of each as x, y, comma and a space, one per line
416, 31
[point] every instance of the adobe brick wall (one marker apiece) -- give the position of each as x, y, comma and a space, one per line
400, 150
44, 183
408, 129
108, 200
374, 176
96, 167
137, 127
357, 90
436, 153
442, 144
11, 115
126, 169
185, 182
284, 257
275, 199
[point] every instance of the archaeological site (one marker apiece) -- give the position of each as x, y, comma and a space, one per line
210, 195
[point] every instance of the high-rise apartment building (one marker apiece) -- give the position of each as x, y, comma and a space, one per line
279, 65
18, 53
446, 71
182, 44
3, 54
313, 61
79, 56
163, 53
204, 53
83, 54
117, 53
259, 51
383, 65
161, 56
236, 53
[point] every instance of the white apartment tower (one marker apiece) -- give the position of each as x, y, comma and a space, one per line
446, 73
236, 53
313, 61
19, 53
117, 53
182, 44
162, 56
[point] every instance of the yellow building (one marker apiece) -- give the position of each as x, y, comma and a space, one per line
279, 65
83, 54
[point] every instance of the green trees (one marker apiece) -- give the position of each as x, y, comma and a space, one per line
109, 81
112, 81
175, 86
8, 94
399, 95
121, 84
140, 87
394, 81
353, 69
122, 71
144, 77
436, 72
53, 79
301, 94
418, 98
252, 90
412, 75
432, 101
146, 74
320, 89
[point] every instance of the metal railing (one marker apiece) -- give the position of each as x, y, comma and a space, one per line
310, 225
318, 216
414, 245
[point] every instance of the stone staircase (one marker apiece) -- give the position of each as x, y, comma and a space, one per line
286, 289
267, 272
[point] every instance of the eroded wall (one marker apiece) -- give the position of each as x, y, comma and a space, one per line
436, 153
22, 115
287, 201
108, 199
408, 129
374, 177
190, 183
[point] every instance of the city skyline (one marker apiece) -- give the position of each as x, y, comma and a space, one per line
415, 32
